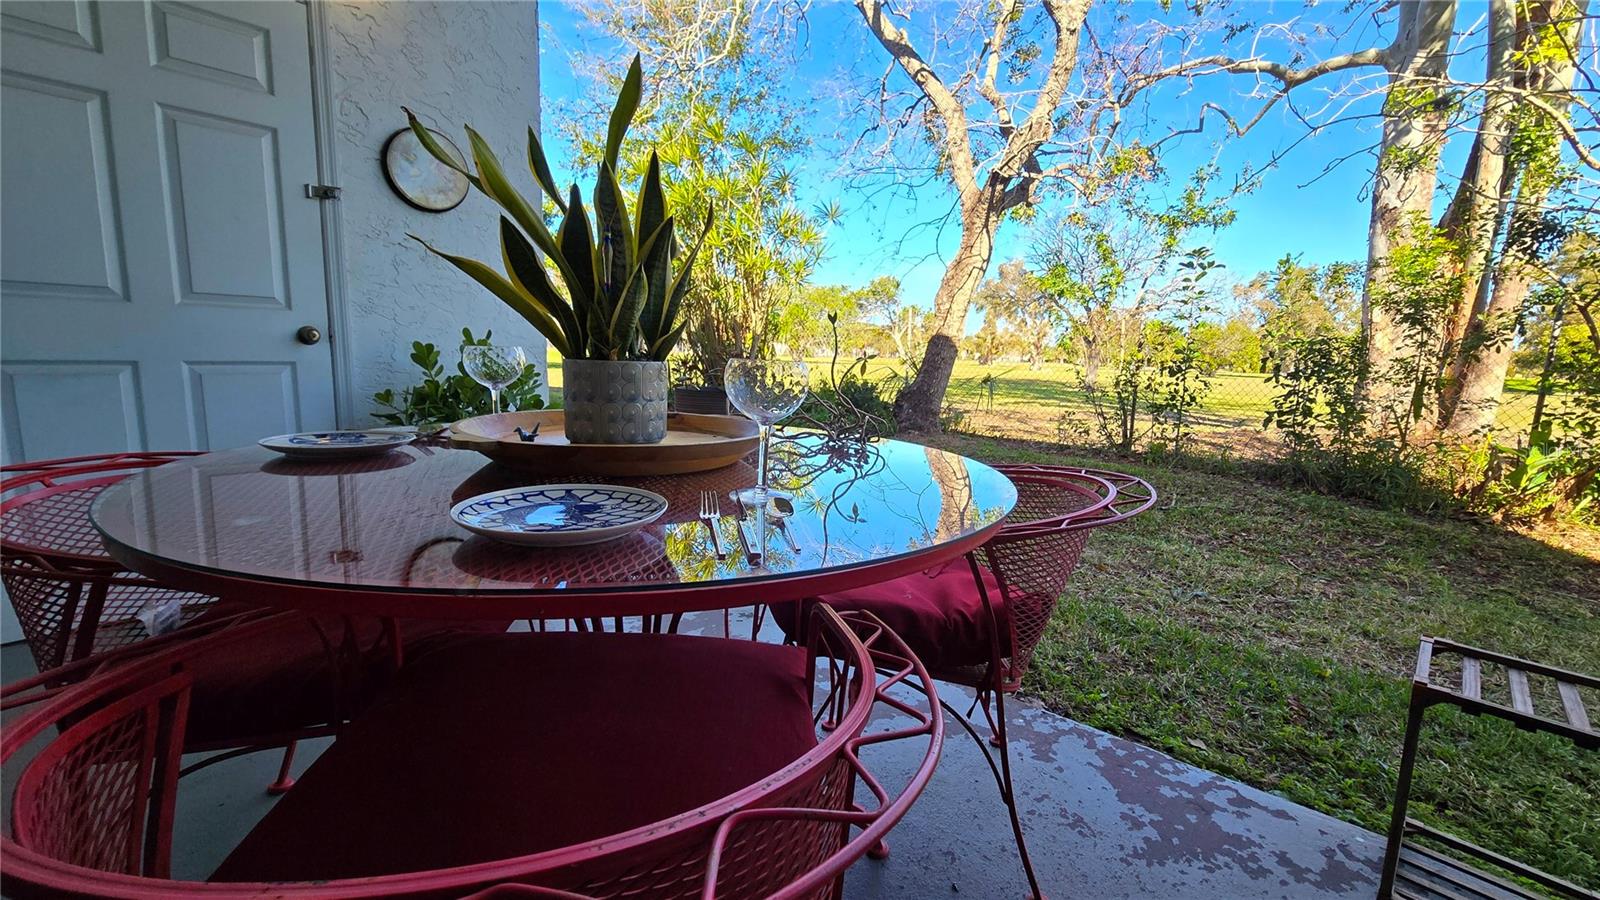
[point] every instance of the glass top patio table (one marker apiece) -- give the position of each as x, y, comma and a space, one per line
374, 536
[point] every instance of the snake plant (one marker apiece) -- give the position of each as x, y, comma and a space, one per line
622, 296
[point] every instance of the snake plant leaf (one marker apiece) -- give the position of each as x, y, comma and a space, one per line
529, 275
652, 202
508, 293
436, 150
498, 188
622, 113
540, 167
589, 302
616, 247
663, 346
621, 296
655, 260
680, 285
625, 320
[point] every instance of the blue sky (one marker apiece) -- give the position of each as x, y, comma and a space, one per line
1298, 209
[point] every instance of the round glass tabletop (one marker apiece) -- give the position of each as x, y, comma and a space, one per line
375, 537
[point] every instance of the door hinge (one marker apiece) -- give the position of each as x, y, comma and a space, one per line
322, 192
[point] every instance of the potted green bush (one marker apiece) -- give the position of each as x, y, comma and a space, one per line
616, 315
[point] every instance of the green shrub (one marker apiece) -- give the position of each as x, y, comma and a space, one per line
440, 399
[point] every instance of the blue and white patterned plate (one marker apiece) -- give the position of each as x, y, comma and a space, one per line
559, 515
335, 444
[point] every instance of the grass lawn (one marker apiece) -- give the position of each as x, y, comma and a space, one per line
1030, 403
1269, 634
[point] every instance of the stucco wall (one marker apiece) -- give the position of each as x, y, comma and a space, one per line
453, 63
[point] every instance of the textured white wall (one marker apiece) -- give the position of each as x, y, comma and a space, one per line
453, 63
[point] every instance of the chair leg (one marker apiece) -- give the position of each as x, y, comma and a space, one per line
995, 740
758, 615
1402, 796
1008, 792
285, 781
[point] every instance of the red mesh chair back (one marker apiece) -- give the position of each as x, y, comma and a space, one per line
69, 614
94, 809
45, 506
71, 598
1035, 553
101, 794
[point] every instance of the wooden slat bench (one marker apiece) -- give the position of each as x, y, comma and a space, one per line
1412, 871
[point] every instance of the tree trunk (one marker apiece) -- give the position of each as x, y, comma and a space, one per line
1403, 189
1477, 214
1478, 376
918, 405
1091, 362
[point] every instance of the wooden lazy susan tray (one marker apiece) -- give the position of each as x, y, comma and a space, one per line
694, 443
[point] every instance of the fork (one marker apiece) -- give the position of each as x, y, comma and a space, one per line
711, 513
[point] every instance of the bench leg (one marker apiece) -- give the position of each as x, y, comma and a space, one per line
1402, 795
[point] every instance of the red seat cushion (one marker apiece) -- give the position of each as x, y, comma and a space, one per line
284, 681
488, 747
938, 613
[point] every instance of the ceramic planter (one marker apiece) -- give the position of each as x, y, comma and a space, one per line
614, 401
708, 401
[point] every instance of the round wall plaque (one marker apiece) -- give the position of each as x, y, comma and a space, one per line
418, 178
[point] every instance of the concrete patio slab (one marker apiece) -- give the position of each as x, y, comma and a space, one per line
1106, 818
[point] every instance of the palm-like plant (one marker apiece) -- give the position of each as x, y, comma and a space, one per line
622, 299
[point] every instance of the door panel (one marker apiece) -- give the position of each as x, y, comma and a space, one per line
76, 251
225, 222
159, 253
210, 45
72, 24
230, 403
48, 405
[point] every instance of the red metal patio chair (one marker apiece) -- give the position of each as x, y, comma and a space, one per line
44, 526
978, 623
76, 604
661, 790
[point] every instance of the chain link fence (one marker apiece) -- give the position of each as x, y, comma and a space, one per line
1051, 403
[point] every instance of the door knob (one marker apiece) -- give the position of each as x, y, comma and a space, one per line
308, 334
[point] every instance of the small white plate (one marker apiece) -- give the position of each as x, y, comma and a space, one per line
559, 515
335, 444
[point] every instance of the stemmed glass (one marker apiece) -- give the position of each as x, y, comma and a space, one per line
768, 391
493, 366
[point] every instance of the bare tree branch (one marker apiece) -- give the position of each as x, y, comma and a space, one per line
957, 150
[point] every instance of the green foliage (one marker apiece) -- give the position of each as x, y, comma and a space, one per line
804, 325
1318, 404
1417, 288
1108, 264
1542, 481
1016, 298
1319, 410
847, 402
622, 299
1181, 378
440, 399
1159, 383
1295, 301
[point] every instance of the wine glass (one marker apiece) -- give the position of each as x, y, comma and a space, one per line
768, 391
493, 366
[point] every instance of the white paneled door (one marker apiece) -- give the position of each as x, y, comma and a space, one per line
160, 257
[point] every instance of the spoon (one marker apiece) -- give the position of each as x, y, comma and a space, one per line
782, 509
